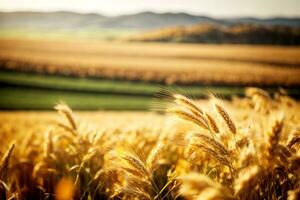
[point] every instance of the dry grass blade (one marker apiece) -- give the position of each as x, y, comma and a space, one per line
5, 163
225, 116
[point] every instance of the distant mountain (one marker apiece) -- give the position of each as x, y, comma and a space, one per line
142, 21
63, 20
150, 20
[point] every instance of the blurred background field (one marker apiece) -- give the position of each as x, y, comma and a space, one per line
37, 73
93, 61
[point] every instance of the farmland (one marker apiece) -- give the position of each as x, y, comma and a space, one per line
162, 63
37, 73
229, 145
32, 91
231, 148
216, 34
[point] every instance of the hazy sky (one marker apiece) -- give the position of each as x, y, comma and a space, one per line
258, 8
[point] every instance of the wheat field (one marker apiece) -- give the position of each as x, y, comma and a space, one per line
246, 148
156, 62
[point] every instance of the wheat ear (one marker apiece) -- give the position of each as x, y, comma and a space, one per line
5, 163
225, 116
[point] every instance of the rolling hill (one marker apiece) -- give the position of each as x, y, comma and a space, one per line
139, 21
218, 34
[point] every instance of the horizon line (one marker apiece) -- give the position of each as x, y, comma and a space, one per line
147, 11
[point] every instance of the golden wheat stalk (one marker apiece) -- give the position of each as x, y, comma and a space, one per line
284, 153
65, 110
215, 155
251, 92
241, 143
5, 163
212, 123
293, 139
136, 194
138, 177
48, 145
197, 186
67, 128
182, 100
225, 116
247, 180
216, 145
137, 183
273, 137
153, 156
133, 172
137, 164
189, 117
294, 165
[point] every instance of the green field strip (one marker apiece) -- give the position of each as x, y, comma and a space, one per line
24, 98
19, 90
107, 86
76, 84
